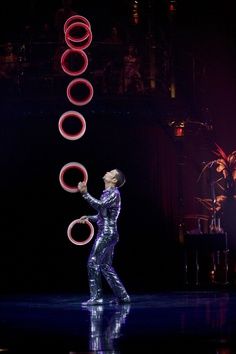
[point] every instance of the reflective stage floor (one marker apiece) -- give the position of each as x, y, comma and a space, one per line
165, 322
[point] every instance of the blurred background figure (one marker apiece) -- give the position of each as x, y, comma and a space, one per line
8, 61
46, 33
114, 37
8, 68
26, 39
131, 81
112, 61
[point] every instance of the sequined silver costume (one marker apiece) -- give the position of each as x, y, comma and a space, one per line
101, 256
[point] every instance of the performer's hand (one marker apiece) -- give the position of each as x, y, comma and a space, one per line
83, 219
82, 187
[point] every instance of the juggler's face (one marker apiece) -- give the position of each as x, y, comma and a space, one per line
110, 176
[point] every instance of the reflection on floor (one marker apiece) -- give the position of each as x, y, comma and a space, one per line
167, 322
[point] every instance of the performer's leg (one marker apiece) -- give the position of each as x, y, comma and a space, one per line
111, 275
94, 267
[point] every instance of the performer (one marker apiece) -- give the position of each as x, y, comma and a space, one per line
101, 256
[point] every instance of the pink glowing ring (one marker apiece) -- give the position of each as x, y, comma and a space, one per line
78, 38
81, 46
76, 18
80, 243
79, 102
81, 43
67, 167
69, 52
74, 114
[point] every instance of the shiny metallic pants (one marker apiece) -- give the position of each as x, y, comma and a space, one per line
100, 261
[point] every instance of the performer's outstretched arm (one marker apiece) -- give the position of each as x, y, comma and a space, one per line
97, 203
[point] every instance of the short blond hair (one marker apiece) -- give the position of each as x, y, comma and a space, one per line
120, 177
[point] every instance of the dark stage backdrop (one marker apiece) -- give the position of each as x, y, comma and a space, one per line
36, 211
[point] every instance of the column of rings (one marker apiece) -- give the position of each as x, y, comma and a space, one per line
77, 43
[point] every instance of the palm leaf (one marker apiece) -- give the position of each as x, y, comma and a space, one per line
220, 186
205, 167
232, 159
220, 152
207, 203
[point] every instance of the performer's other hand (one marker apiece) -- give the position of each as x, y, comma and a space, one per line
83, 219
82, 187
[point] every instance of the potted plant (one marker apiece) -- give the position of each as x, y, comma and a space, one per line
222, 203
